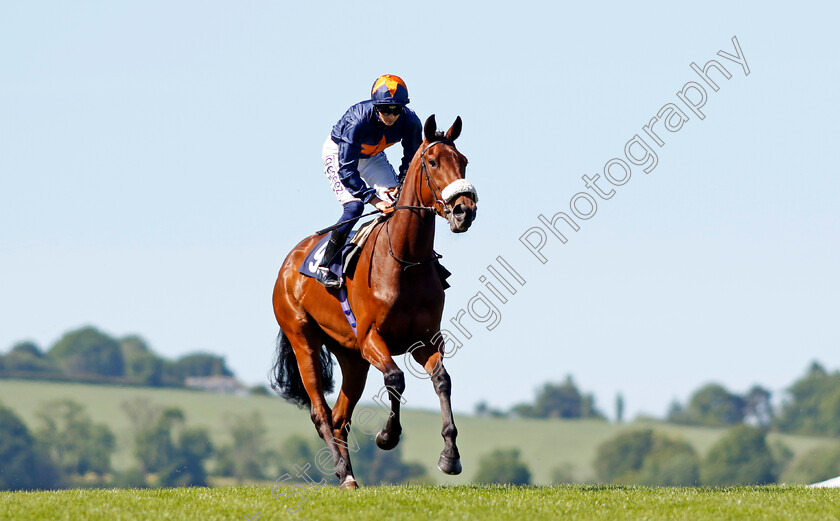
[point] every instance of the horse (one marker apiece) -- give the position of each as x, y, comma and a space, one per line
397, 296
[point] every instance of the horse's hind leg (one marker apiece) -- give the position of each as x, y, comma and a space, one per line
354, 371
431, 360
306, 342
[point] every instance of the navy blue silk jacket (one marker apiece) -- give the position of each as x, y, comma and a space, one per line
360, 135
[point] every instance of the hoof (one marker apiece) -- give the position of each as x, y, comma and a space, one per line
348, 484
386, 442
451, 466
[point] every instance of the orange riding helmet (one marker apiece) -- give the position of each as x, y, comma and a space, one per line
389, 90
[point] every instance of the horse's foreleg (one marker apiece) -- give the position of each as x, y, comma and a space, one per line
354, 371
376, 352
431, 360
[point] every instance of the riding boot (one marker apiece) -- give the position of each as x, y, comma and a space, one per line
325, 276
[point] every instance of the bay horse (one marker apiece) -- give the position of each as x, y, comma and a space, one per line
397, 297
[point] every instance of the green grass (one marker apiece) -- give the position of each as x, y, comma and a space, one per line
568, 503
545, 444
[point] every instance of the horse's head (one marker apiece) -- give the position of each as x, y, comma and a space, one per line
442, 181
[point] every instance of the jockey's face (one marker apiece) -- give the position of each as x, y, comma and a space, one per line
387, 119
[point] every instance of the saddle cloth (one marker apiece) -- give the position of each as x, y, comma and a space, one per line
344, 261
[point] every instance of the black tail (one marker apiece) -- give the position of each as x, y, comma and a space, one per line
285, 377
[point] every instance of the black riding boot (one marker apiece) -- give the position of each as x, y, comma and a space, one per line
325, 276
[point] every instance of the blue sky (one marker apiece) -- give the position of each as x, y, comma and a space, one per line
159, 159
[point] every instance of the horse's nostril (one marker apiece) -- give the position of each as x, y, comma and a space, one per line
458, 210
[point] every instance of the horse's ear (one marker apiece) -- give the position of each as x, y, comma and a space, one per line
455, 130
430, 128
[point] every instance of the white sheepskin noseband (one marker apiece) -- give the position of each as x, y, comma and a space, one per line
458, 187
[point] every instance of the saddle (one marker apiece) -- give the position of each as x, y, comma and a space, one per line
344, 263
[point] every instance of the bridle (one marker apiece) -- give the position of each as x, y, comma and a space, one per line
433, 186
440, 206
429, 182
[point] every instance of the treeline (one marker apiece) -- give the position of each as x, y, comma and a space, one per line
554, 400
89, 355
66, 449
742, 456
652, 457
811, 406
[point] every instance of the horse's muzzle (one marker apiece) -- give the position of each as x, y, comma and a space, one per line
462, 216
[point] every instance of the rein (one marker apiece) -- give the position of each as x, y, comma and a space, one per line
408, 264
373, 212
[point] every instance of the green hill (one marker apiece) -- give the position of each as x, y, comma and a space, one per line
545, 444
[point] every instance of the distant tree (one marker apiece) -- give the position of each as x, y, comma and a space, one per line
676, 412
202, 364
147, 369
815, 370
87, 351
670, 463
163, 445
814, 404
246, 455
133, 346
816, 465
73, 442
560, 401
758, 407
740, 457
131, 478
27, 357
711, 405
186, 467
620, 457
299, 449
503, 466
619, 408
524, 410
483, 409
141, 364
152, 425
782, 456
22, 465
645, 457
224, 464
295, 450
155, 444
171, 374
27, 348
259, 390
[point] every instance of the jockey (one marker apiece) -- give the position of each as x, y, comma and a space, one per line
355, 162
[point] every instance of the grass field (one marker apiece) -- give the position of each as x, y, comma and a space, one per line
545, 444
569, 503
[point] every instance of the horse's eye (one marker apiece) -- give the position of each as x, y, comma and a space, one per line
432, 163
